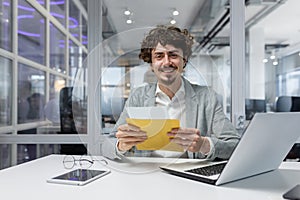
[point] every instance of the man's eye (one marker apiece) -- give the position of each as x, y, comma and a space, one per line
173, 56
158, 56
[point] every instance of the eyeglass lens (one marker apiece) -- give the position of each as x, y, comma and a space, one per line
69, 162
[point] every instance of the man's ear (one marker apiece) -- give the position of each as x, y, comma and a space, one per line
184, 62
151, 67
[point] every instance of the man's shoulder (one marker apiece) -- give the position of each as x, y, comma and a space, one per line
143, 88
199, 88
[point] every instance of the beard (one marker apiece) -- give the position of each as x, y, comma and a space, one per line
168, 77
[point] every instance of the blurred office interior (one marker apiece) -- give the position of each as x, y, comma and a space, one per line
248, 52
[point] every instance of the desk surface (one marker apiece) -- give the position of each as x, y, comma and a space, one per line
140, 179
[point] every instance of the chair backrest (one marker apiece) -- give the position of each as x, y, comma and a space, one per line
295, 104
253, 106
290, 104
67, 122
284, 104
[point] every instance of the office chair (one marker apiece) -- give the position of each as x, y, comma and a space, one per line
295, 104
67, 122
253, 106
283, 104
290, 104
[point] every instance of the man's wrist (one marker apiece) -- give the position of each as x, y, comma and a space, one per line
205, 146
118, 149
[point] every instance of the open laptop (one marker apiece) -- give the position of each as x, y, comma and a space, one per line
263, 146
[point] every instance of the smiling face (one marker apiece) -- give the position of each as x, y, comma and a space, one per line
167, 64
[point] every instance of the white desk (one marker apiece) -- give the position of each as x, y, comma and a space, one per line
140, 180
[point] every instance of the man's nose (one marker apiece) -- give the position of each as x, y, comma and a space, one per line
167, 60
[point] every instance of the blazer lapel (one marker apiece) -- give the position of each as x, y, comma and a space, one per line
150, 96
191, 105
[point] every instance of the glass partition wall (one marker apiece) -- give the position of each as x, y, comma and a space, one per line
41, 48
273, 59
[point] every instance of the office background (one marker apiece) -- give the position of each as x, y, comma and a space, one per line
248, 51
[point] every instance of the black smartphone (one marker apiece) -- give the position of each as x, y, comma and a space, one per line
293, 193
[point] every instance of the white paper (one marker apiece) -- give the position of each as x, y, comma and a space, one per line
148, 112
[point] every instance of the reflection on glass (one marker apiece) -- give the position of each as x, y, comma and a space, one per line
84, 31
112, 92
74, 20
5, 156
141, 74
112, 102
47, 149
75, 58
42, 2
289, 76
57, 10
52, 106
31, 91
57, 50
26, 152
31, 33
213, 70
5, 91
113, 76
6, 26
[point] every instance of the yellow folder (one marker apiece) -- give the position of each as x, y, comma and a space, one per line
156, 130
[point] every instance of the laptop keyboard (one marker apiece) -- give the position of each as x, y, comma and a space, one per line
208, 170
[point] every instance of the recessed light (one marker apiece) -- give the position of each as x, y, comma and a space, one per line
129, 21
175, 12
173, 21
127, 12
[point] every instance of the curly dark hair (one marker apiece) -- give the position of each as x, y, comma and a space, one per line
166, 35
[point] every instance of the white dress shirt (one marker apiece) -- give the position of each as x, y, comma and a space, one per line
176, 110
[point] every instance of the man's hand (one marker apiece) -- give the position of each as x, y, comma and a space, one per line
190, 139
129, 136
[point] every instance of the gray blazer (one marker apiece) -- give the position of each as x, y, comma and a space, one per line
203, 111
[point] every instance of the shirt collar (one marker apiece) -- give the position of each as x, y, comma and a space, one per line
180, 93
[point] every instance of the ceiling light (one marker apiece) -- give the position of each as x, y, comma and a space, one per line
129, 21
265, 60
173, 21
127, 12
275, 62
175, 12
272, 57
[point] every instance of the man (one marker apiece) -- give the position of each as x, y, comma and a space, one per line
205, 131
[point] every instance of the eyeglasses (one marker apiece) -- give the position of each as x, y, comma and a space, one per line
84, 161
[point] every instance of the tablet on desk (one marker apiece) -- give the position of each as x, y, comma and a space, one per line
78, 176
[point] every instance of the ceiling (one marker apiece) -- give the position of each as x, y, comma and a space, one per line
279, 18
282, 27
196, 16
